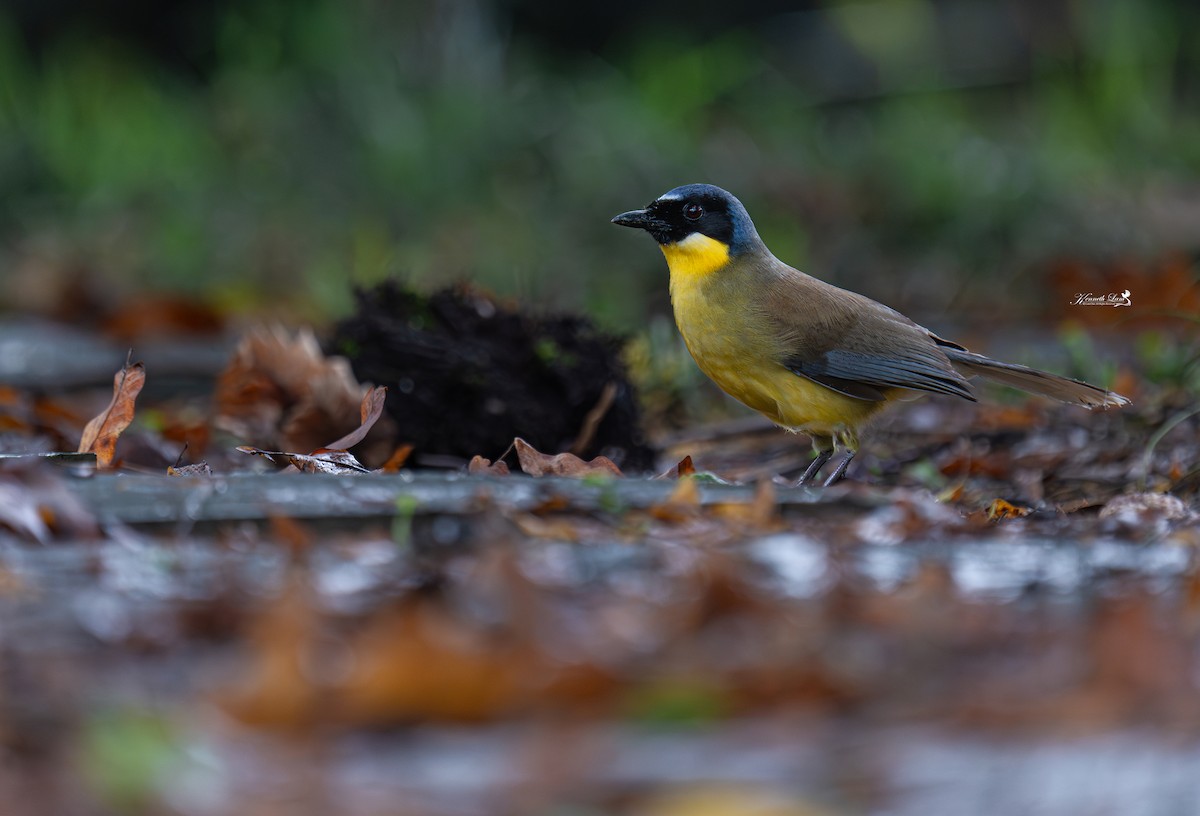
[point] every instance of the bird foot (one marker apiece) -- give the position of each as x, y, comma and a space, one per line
815, 466
839, 472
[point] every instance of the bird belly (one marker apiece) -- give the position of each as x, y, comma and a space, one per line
783, 397
741, 359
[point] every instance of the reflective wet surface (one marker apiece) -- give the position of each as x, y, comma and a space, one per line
469, 646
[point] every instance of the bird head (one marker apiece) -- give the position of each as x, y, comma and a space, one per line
695, 216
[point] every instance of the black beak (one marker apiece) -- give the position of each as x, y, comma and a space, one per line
638, 219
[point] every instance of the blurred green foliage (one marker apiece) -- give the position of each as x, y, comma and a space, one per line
342, 142
672, 702
1085, 361
127, 756
1170, 361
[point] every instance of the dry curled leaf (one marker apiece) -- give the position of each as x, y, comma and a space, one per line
281, 389
337, 462
1001, 509
101, 433
197, 469
536, 463
370, 410
485, 467
683, 468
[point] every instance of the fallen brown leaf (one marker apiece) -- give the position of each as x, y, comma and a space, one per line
197, 469
370, 411
551, 504
417, 662
557, 528
278, 691
762, 512
952, 494
683, 467
681, 505
719, 591
338, 462
101, 433
485, 467
535, 463
14, 411
1000, 509
397, 459
294, 535
967, 463
280, 389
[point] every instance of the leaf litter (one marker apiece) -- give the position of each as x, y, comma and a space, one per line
101, 433
996, 574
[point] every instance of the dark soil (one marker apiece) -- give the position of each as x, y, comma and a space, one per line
466, 374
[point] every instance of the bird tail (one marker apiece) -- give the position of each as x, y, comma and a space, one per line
1028, 379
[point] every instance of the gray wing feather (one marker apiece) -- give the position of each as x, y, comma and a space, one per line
862, 375
853, 345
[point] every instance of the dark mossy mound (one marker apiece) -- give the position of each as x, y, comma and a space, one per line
466, 374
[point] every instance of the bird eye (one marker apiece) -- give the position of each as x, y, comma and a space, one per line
692, 212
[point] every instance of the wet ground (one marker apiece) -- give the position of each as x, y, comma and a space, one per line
434, 644
998, 614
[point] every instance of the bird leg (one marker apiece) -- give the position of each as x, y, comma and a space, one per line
840, 471
814, 467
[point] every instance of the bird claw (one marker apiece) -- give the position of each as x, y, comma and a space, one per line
839, 472
815, 466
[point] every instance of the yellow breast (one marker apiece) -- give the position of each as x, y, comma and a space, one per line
732, 345
695, 257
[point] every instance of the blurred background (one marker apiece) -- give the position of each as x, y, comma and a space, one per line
201, 165
979, 157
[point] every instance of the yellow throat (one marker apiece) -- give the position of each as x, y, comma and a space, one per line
695, 257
